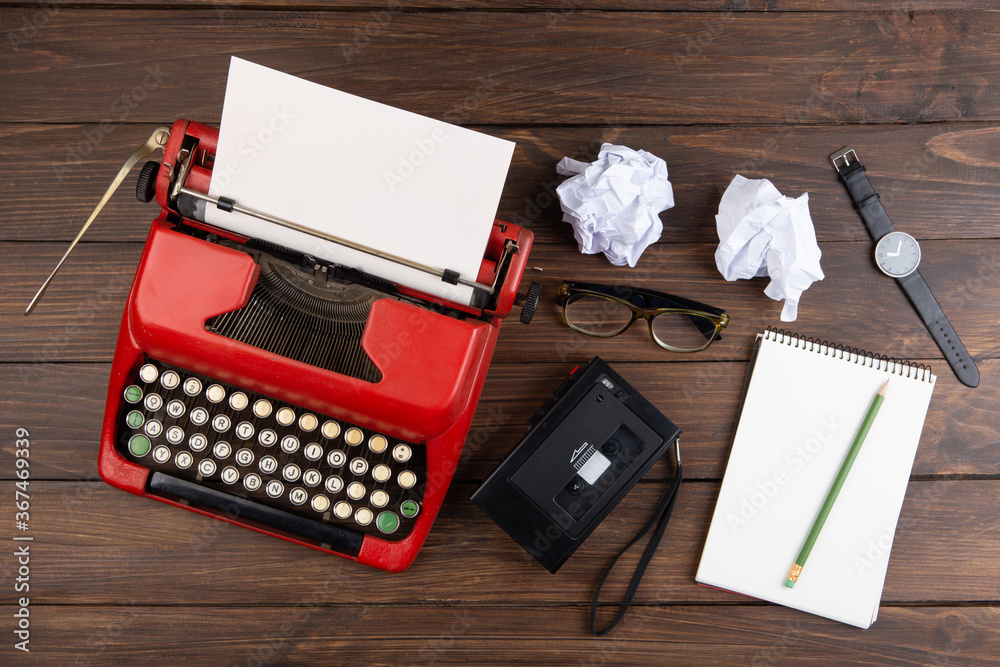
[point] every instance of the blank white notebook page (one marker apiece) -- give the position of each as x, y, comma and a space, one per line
381, 177
802, 410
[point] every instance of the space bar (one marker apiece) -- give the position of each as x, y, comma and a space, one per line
338, 539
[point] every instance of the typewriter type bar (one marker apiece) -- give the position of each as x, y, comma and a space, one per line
397, 371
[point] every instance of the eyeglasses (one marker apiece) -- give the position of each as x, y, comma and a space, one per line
675, 323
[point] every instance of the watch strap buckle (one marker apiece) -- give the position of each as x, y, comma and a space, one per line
843, 154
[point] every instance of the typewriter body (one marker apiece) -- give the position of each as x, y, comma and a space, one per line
300, 399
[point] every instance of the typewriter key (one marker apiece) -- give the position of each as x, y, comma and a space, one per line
267, 437
359, 466
138, 445
230, 475
170, 380
268, 464
153, 428
215, 393
291, 472
331, 429
197, 442
176, 408
354, 436
251, 482
275, 488
244, 430
134, 419
363, 516
406, 479
285, 416
342, 510
336, 458
221, 423
313, 452
183, 460
262, 408
133, 394
290, 444
387, 522
244, 457
148, 373
377, 443
198, 416
192, 386
298, 496
161, 454
238, 401
409, 508
355, 490
402, 453
334, 484
311, 477
206, 468
379, 498
320, 503
222, 450
175, 435
153, 402
308, 422
381, 472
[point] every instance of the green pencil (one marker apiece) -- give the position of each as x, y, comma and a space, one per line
831, 497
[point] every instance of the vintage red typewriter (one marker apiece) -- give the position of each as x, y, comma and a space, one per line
300, 399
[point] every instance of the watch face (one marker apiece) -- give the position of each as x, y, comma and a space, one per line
897, 254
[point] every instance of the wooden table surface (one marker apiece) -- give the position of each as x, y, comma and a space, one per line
714, 87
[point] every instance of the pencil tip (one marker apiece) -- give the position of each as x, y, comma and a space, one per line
881, 392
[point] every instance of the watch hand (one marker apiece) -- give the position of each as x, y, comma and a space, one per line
895, 254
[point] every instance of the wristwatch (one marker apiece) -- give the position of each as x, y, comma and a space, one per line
897, 255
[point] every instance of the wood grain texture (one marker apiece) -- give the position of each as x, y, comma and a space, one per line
520, 68
307, 633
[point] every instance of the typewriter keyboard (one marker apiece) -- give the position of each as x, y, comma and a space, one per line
189, 426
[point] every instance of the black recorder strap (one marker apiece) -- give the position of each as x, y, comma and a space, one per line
661, 515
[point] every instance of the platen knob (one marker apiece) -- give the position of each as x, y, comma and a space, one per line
530, 302
145, 187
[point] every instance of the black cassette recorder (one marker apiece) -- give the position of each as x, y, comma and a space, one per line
586, 447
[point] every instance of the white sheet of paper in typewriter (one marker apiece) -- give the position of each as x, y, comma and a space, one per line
379, 176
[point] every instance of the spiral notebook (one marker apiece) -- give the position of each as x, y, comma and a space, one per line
802, 406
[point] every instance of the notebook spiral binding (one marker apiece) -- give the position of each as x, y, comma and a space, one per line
893, 365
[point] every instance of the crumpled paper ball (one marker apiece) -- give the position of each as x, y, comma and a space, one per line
763, 233
613, 203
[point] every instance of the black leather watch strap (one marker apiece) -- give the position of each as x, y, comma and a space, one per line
937, 324
876, 220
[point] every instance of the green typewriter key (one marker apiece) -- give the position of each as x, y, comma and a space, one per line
133, 394
409, 509
134, 419
139, 445
387, 522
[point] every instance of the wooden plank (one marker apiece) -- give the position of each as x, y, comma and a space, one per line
96, 545
311, 632
62, 406
53, 175
89, 294
518, 68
